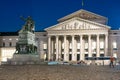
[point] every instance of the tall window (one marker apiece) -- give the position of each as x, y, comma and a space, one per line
44, 46
3, 44
10, 44
101, 45
114, 45
94, 46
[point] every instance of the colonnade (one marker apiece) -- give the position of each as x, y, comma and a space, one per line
76, 47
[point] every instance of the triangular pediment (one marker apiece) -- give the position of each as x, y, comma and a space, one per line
87, 15
77, 24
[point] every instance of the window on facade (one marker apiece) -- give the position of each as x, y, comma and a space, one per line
78, 50
86, 45
17, 39
10, 39
93, 45
115, 33
70, 57
86, 50
3, 44
70, 46
44, 35
44, 46
70, 50
101, 55
101, 45
94, 55
78, 45
62, 56
86, 55
10, 44
114, 45
62, 50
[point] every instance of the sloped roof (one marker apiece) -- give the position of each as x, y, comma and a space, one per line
84, 14
8, 33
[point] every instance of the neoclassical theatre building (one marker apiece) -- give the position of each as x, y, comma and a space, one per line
77, 36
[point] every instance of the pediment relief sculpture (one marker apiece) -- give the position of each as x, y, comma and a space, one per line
78, 25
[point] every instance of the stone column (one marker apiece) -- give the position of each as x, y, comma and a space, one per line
60, 47
49, 47
57, 49
52, 49
81, 48
89, 48
65, 49
106, 44
98, 46
73, 48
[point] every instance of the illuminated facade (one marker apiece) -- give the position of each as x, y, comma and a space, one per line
76, 37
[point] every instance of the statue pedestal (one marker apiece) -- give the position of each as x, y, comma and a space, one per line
25, 59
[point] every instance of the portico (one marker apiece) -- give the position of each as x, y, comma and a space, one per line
77, 38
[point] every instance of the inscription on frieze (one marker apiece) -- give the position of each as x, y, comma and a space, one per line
76, 25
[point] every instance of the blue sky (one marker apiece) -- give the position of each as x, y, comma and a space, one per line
46, 12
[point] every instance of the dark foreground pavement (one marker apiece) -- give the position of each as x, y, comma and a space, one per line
59, 72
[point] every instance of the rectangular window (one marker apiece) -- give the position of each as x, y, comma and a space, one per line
94, 55
62, 50
86, 55
86, 45
101, 55
70, 50
62, 56
114, 45
44, 46
70, 57
78, 57
101, 45
3, 44
78, 50
10, 44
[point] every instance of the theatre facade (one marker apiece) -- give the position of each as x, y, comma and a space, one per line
79, 36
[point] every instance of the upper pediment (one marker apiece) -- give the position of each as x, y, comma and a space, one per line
87, 15
77, 24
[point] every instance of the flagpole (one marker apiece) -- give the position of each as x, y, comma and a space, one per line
82, 3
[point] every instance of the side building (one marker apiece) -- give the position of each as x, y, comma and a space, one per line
77, 37
8, 42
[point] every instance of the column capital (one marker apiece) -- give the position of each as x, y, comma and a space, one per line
49, 36
106, 34
72, 35
64, 35
56, 35
89, 35
97, 34
81, 35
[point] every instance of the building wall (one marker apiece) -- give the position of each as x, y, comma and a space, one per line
7, 50
7, 46
42, 43
8, 43
114, 43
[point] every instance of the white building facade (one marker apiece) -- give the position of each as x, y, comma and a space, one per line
78, 36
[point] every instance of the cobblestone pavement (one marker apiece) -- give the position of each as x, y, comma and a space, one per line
59, 72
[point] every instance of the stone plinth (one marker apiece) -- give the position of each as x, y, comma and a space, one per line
25, 59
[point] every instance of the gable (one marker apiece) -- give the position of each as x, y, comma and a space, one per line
78, 24
87, 15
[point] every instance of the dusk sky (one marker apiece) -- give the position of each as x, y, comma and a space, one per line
45, 13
